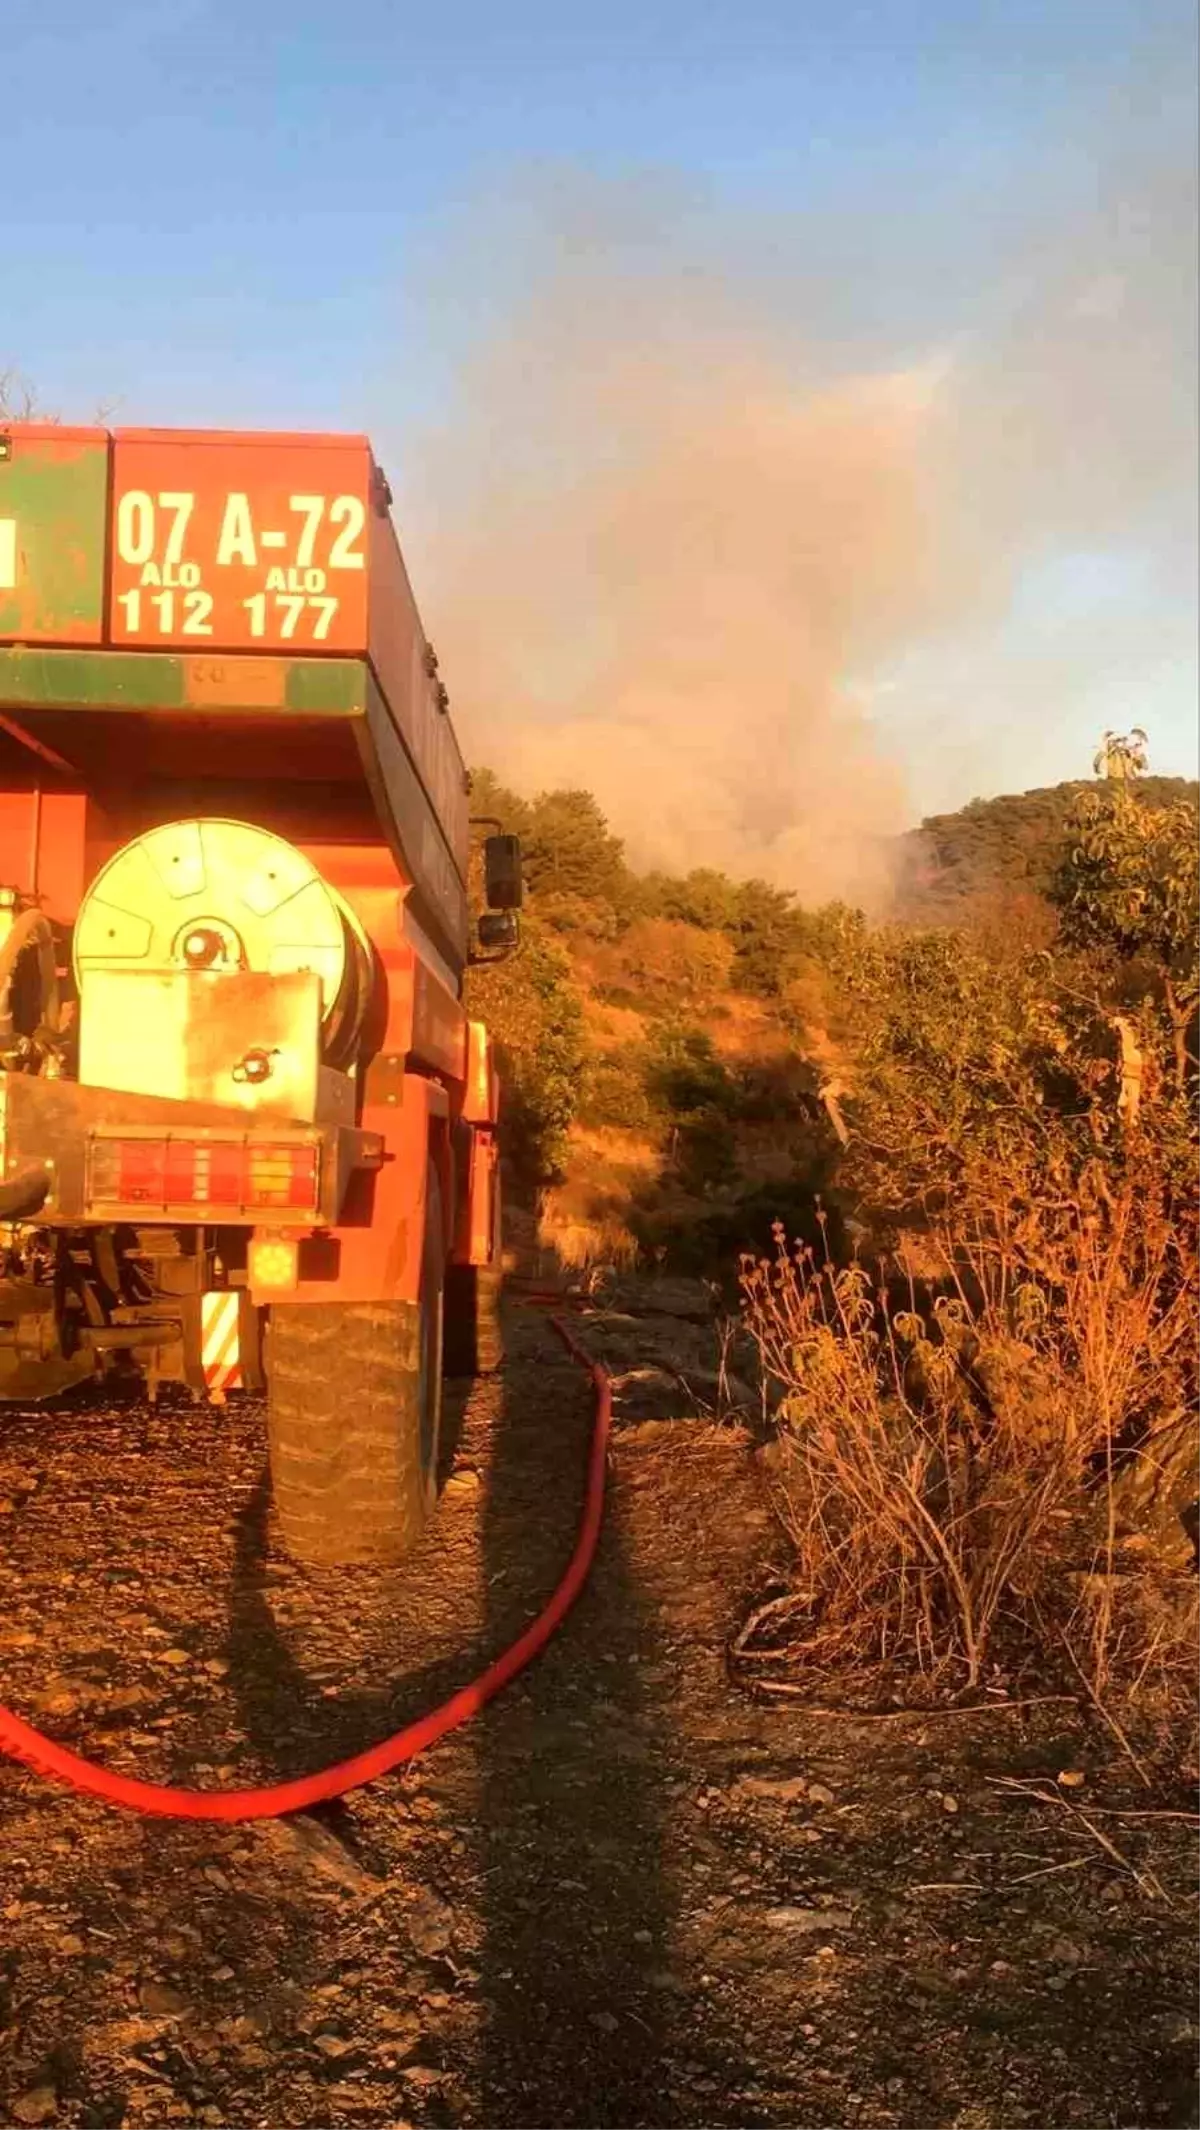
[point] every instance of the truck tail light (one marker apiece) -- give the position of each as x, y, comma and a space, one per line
203, 1176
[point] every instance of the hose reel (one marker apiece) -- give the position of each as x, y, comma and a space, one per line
216, 894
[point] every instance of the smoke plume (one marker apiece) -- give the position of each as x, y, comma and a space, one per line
681, 530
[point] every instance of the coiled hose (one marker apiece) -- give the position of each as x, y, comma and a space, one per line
58, 1764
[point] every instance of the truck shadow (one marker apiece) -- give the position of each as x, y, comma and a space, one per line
577, 1907
563, 1908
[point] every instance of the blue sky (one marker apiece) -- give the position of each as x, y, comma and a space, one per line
242, 213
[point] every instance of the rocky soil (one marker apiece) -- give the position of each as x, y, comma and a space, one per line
627, 1894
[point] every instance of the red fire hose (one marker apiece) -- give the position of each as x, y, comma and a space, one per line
54, 1761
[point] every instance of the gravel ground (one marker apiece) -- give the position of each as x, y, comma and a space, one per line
626, 1895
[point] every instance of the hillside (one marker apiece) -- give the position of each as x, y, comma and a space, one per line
1002, 846
677, 1050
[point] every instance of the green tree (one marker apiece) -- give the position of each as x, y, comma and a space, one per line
570, 850
489, 797
700, 1100
574, 866
532, 1008
960, 1053
1128, 889
768, 931
704, 898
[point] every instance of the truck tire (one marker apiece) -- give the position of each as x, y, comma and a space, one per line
474, 1327
354, 1396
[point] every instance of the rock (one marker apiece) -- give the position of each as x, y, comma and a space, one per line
787, 1789
177, 1657
460, 1485
688, 1299
124, 1699
401, 2026
648, 1379
1071, 1778
70, 1945
161, 2001
819, 1795
807, 1920
217, 1667
39, 2104
430, 1924
60, 1697
726, 1393
606, 2022
309, 1844
949, 1804
331, 2043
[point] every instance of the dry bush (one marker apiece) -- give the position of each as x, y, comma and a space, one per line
995, 1446
584, 1220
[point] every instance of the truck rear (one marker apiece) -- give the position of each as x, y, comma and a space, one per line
247, 1130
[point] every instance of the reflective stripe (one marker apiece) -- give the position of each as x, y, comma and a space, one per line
220, 1351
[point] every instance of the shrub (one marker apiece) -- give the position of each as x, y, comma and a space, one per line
532, 1008
946, 1464
674, 964
614, 1092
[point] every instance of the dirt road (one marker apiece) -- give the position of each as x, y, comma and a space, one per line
626, 1895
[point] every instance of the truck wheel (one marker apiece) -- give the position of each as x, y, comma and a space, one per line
354, 1399
474, 1328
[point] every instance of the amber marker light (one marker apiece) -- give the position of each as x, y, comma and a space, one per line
274, 1263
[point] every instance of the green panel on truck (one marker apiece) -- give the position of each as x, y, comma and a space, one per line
160, 680
53, 529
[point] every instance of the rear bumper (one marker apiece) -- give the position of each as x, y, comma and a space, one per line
68, 1132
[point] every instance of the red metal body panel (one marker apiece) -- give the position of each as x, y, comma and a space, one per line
246, 543
374, 1253
480, 1090
43, 847
397, 649
476, 1214
222, 545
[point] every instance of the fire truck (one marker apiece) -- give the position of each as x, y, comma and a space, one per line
248, 1133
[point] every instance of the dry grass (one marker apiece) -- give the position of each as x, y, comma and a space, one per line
611, 1027
584, 1220
968, 1458
746, 1028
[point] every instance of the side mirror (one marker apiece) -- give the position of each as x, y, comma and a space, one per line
504, 885
501, 932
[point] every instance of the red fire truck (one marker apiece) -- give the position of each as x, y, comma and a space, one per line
247, 1131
